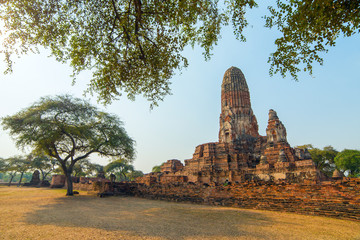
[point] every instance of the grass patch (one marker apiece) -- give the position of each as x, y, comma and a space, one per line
39, 213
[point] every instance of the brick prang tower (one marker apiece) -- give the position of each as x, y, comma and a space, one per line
237, 120
241, 154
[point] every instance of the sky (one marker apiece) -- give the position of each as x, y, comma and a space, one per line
322, 109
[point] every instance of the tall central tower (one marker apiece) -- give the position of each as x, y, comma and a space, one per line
237, 120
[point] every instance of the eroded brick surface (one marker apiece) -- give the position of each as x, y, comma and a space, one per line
247, 170
340, 199
241, 154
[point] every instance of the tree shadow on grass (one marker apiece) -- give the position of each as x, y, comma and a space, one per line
149, 218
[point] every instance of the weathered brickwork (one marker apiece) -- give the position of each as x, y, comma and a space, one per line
340, 199
172, 165
94, 185
245, 169
241, 153
57, 181
237, 118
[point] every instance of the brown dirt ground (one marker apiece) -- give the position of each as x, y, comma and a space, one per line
34, 213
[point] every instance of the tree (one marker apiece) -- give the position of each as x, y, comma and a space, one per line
45, 164
132, 46
14, 165
135, 46
306, 146
349, 160
308, 29
3, 168
157, 168
135, 174
95, 170
23, 164
323, 159
84, 168
120, 168
69, 130
2, 165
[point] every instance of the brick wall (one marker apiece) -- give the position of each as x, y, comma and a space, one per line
340, 199
93, 187
57, 181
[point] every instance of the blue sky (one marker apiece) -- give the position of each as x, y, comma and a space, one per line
322, 109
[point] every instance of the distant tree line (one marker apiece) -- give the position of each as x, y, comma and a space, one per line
328, 159
15, 169
20, 168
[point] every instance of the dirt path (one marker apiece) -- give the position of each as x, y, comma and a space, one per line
32, 213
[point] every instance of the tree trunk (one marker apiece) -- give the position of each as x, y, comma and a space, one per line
11, 178
21, 176
69, 183
43, 175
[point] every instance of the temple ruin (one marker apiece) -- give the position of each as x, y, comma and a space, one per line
241, 154
243, 169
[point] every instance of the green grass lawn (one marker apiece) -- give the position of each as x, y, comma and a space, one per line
40, 213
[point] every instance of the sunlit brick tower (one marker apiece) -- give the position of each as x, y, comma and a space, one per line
241, 154
237, 120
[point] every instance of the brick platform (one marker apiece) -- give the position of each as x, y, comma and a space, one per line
339, 199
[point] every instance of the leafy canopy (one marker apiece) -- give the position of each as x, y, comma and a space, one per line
120, 168
69, 130
16, 164
44, 163
349, 160
135, 46
132, 46
323, 158
2, 165
85, 168
308, 29
134, 174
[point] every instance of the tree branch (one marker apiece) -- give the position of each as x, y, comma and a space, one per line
72, 151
